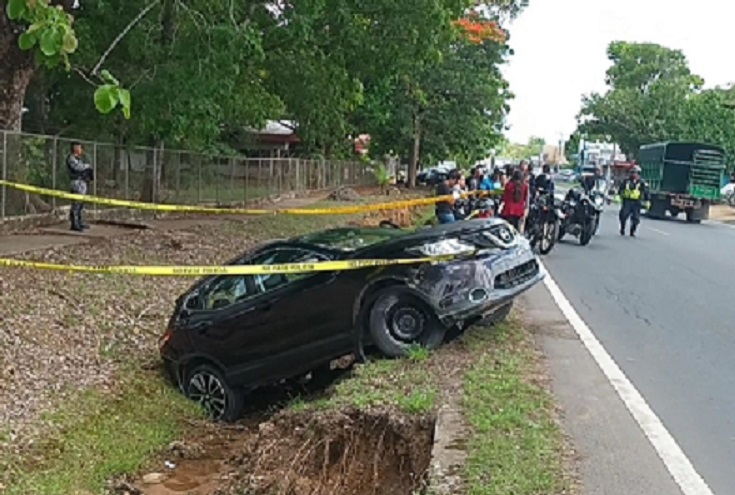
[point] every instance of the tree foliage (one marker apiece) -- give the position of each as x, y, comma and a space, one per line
49, 32
515, 151
653, 96
423, 78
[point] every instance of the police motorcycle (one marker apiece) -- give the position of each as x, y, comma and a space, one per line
598, 197
581, 216
543, 222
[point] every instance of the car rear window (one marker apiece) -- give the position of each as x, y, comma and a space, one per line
352, 239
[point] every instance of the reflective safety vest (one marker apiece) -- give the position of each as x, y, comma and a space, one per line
634, 193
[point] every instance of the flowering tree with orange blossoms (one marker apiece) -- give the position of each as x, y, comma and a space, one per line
477, 30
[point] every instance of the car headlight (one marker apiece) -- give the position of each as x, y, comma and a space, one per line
445, 247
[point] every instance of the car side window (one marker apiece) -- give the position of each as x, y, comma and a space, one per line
270, 282
230, 289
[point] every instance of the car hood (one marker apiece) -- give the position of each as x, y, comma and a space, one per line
422, 236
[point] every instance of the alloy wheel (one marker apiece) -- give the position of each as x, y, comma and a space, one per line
209, 392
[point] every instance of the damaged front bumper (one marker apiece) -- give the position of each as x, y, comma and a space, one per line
471, 289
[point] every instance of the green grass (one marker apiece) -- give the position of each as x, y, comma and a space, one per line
399, 383
516, 446
98, 436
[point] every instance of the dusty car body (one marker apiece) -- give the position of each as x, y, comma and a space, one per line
267, 328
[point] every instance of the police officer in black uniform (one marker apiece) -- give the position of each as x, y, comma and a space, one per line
80, 174
634, 193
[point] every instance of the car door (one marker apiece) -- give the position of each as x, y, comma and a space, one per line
303, 310
291, 321
222, 322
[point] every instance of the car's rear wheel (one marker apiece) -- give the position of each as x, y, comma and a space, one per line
206, 386
398, 321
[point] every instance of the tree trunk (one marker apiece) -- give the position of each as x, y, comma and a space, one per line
16, 70
416, 152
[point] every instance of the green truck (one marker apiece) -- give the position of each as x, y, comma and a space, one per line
682, 177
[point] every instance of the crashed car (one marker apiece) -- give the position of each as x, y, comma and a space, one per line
232, 333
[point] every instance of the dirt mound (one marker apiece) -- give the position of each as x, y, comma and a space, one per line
344, 194
349, 453
404, 217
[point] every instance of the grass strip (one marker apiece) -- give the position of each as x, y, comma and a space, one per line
517, 446
101, 435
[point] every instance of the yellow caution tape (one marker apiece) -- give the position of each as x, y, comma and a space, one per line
139, 205
199, 271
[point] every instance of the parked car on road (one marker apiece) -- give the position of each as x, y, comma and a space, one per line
432, 176
565, 175
232, 333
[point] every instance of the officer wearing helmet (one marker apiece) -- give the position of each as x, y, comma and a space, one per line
634, 193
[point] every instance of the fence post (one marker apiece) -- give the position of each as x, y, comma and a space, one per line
94, 172
246, 168
231, 196
199, 178
5, 174
154, 192
297, 174
54, 169
178, 175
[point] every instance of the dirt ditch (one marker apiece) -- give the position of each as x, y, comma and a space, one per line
352, 452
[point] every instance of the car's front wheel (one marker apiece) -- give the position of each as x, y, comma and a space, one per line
398, 321
206, 386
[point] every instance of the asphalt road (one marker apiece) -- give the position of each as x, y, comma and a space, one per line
663, 306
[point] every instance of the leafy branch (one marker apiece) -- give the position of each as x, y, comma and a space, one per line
51, 32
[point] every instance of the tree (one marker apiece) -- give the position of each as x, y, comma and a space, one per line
571, 146
449, 103
535, 146
649, 86
37, 33
710, 118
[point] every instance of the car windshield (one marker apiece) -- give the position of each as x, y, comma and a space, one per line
351, 239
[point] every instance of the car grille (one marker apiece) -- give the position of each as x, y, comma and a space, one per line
517, 276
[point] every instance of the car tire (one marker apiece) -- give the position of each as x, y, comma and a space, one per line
398, 320
207, 386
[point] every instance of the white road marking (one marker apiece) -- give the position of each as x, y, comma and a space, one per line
658, 231
676, 462
718, 223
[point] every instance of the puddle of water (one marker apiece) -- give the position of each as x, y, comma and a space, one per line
190, 478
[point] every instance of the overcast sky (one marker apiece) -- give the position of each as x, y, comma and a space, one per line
560, 50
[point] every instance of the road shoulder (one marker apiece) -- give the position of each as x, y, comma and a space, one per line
614, 455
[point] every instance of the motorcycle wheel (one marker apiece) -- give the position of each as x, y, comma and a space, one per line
586, 235
548, 238
596, 225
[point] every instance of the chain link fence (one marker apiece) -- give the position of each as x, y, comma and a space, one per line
160, 175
